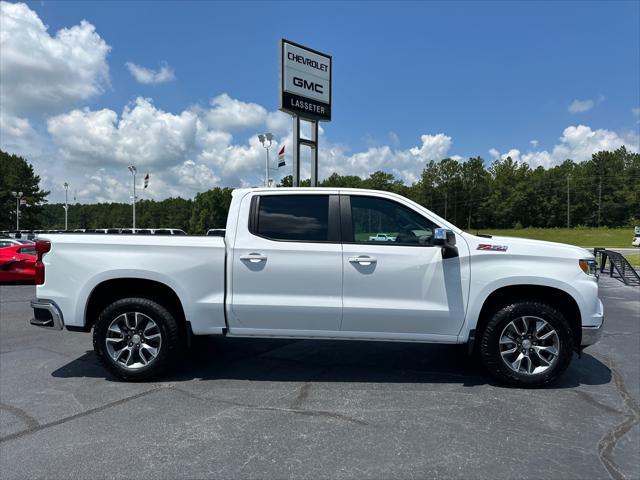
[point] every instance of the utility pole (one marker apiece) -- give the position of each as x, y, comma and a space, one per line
470, 202
446, 197
66, 205
18, 196
266, 140
568, 203
599, 198
133, 170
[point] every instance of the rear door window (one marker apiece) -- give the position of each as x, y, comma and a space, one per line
301, 218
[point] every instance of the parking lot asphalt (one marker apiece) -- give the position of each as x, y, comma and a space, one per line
239, 408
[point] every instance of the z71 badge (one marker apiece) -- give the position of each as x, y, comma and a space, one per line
495, 248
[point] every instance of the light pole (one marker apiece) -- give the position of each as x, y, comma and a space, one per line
66, 205
568, 201
18, 196
133, 170
266, 140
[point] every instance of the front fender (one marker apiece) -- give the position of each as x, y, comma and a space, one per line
561, 274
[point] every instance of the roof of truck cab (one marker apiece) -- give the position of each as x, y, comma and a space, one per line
338, 190
311, 189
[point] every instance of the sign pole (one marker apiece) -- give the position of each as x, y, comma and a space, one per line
314, 153
296, 151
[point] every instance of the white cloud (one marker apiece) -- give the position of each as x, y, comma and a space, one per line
228, 113
579, 106
143, 135
17, 135
434, 147
534, 143
279, 122
577, 143
43, 73
149, 76
406, 165
194, 150
101, 186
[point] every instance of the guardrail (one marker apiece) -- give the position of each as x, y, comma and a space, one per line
617, 265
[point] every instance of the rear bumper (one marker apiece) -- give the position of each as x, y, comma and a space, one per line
46, 314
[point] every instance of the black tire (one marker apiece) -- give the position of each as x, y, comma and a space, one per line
490, 348
167, 325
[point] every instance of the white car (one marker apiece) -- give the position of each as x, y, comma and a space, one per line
11, 242
290, 266
168, 231
382, 237
636, 241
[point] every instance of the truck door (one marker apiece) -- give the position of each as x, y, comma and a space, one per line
401, 286
287, 266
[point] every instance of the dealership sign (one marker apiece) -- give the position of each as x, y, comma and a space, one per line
305, 82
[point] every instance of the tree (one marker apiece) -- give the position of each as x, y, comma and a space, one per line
210, 210
475, 187
16, 175
506, 194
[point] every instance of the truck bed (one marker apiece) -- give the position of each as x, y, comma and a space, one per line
192, 266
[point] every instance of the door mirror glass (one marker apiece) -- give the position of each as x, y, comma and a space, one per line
444, 237
447, 240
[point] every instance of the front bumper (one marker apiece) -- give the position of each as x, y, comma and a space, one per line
592, 334
46, 314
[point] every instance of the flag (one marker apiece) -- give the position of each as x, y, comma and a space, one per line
146, 180
281, 162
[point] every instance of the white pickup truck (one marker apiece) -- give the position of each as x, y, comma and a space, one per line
298, 263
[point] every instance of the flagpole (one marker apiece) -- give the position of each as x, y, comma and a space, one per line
134, 202
133, 170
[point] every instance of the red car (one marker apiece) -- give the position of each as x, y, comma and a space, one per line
17, 264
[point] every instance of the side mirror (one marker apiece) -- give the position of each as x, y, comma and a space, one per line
447, 240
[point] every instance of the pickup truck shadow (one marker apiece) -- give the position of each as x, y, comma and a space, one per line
265, 360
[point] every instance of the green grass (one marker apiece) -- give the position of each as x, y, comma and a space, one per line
582, 237
633, 259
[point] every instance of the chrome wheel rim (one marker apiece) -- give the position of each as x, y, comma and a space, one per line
133, 340
529, 345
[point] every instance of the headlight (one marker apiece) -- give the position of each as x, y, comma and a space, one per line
590, 267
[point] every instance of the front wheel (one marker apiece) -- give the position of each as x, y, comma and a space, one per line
526, 344
135, 338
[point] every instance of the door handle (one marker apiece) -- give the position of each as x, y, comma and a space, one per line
254, 257
363, 260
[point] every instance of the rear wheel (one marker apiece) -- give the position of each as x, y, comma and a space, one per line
135, 338
526, 344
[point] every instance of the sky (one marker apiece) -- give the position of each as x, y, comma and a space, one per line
180, 89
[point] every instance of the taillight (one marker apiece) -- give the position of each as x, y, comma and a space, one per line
42, 247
